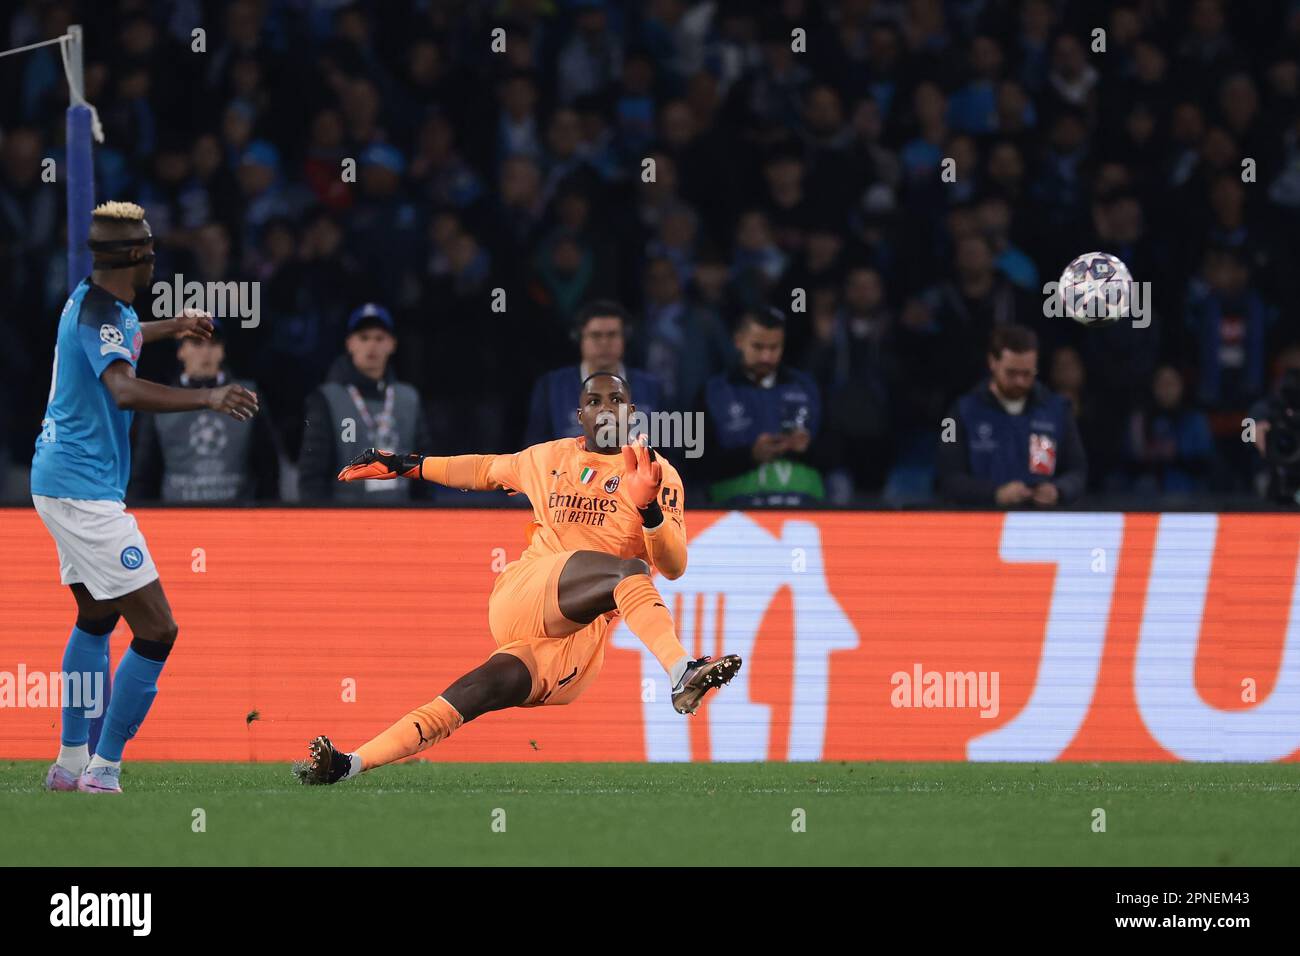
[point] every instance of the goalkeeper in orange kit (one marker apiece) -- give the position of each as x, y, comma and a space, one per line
604, 517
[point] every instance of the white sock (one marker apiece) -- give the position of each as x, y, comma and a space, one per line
97, 761
354, 766
678, 672
73, 759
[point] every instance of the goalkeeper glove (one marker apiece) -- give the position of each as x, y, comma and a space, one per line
642, 474
374, 463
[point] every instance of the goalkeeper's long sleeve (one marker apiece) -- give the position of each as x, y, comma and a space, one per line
466, 472
664, 527
665, 545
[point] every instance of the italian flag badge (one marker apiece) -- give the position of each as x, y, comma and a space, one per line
586, 475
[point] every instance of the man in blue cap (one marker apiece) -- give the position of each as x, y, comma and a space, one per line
360, 405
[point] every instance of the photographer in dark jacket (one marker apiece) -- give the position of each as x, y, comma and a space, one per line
1277, 432
1010, 441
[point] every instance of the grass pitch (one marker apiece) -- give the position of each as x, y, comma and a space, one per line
424, 814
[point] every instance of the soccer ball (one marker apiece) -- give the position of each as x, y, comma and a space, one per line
1095, 289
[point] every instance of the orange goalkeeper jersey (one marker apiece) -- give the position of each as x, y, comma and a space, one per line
578, 501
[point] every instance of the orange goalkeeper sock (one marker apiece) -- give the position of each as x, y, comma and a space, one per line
418, 730
639, 602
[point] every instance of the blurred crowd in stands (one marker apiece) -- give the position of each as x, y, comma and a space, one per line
690, 166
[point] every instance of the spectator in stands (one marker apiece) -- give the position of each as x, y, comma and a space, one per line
564, 275
974, 107
1006, 170
676, 240
435, 343
601, 330
361, 405
1229, 322
563, 150
212, 192
786, 204
29, 214
994, 217
265, 195
1059, 186
850, 360
761, 417
519, 131
204, 456
439, 169
1068, 377
325, 154
517, 213
385, 225
1071, 77
634, 108
684, 344
758, 261
1169, 443
1009, 441
592, 58
921, 155
966, 308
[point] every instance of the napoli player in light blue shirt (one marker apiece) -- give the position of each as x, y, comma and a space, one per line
79, 477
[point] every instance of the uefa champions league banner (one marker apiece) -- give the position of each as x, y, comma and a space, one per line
893, 636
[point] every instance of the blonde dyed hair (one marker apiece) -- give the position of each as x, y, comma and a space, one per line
119, 211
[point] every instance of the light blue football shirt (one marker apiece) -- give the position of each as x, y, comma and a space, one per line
84, 449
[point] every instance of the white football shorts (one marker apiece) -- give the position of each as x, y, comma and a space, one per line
99, 545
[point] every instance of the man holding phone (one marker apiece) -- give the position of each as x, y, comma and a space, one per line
1010, 442
761, 418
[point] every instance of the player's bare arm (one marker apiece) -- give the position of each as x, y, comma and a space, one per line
190, 324
141, 395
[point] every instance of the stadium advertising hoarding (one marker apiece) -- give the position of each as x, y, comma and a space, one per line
891, 636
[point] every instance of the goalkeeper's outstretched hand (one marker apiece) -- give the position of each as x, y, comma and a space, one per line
374, 463
643, 476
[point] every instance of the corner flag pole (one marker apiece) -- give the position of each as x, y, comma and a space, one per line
80, 160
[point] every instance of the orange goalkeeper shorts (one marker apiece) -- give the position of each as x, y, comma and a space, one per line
524, 617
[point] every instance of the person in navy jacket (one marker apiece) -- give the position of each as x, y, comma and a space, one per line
761, 418
601, 331
1011, 441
